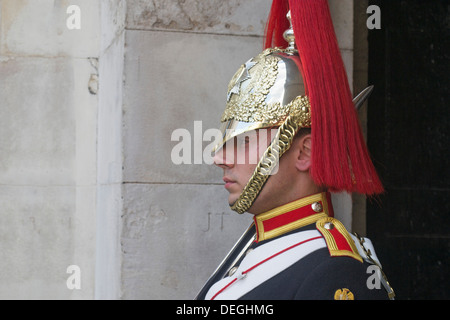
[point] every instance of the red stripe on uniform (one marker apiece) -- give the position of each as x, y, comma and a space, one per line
221, 290
340, 240
284, 250
261, 262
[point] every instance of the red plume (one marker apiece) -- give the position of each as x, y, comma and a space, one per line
276, 24
340, 159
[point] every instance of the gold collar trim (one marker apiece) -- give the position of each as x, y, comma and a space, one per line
292, 216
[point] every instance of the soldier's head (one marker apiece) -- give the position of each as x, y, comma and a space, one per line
290, 179
291, 109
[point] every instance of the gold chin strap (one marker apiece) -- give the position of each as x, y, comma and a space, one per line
298, 118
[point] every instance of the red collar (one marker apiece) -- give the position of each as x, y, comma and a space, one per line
292, 216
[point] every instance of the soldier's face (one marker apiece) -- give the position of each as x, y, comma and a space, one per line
290, 181
239, 157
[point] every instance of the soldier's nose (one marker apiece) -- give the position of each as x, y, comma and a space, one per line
222, 159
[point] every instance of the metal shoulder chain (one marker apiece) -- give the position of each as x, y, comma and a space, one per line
299, 118
368, 257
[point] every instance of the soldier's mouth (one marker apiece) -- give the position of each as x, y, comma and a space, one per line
228, 182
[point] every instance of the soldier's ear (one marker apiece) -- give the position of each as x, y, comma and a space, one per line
303, 160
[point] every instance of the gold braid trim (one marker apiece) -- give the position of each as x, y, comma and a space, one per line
299, 117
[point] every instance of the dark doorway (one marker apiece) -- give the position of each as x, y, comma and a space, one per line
408, 136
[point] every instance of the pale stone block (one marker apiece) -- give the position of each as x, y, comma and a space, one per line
40, 27
48, 174
239, 17
224, 17
174, 237
347, 58
171, 80
48, 129
37, 131
112, 21
342, 15
108, 257
85, 104
342, 206
109, 139
45, 230
110, 153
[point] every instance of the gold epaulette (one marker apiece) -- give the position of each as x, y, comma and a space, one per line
338, 239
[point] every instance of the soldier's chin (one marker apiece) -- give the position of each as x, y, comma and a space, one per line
232, 199
231, 202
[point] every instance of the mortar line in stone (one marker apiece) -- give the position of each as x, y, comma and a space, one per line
196, 32
175, 183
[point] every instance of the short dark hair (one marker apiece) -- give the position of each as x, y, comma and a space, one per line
302, 132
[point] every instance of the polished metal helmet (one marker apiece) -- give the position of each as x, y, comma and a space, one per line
283, 89
264, 92
267, 91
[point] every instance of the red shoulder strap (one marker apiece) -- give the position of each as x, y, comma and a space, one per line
338, 239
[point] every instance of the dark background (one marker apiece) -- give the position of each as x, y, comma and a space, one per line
408, 136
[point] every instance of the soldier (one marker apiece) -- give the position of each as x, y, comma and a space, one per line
295, 94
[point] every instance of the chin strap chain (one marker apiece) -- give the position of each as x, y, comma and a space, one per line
299, 118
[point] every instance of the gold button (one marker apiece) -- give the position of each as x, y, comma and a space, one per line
316, 206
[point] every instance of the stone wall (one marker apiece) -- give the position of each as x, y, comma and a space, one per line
86, 121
